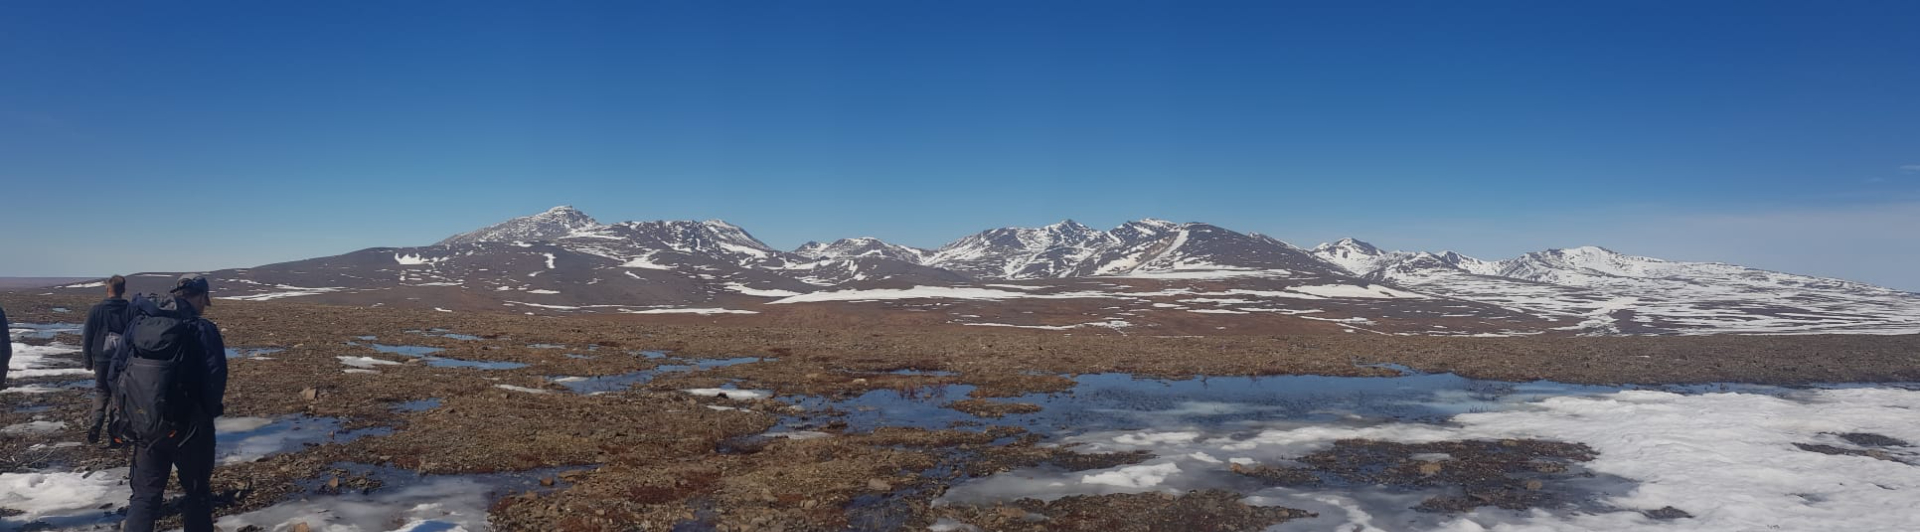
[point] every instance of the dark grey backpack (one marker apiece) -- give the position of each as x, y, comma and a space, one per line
149, 401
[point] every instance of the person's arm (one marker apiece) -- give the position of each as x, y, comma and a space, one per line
214, 388
90, 335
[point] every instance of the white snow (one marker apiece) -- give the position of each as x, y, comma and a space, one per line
1141, 476
1347, 290
440, 504
521, 388
1728, 459
928, 292
1203, 273
70, 497
704, 311
365, 362
33, 427
286, 292
1111, 324
415, 259
645, 262
543, 291
748, 290
737, 395
539, 305
35, 361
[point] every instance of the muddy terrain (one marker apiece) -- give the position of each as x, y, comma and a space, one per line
631, 423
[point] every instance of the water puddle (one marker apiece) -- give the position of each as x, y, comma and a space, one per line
250, 352
922, 373
415, 351
715, 363
425, 353
622, 382
1119, 402
245, 439
444, 333
419, 405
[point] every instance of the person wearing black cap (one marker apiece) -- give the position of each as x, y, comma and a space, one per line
172, 333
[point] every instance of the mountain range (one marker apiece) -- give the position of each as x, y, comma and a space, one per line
1148, 275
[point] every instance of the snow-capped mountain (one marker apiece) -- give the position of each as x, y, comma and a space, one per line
847, 248
1615, 292
555, 223
1146, 247
1185, 277
1022, 252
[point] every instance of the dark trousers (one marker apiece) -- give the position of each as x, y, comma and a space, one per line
102, 392
192, 454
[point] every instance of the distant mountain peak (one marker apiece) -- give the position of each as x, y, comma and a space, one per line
861, 246
551, 224
1349, 243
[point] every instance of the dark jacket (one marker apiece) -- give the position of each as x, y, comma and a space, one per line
6, 348
109, 316
205, 366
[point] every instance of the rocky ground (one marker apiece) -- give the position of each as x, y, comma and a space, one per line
649, 456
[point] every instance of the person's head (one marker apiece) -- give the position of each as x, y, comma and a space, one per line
116, 286
194, 289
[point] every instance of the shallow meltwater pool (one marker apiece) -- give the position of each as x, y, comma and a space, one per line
426, 354
245, 439
1443, 452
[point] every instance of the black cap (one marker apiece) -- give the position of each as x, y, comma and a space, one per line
191, 284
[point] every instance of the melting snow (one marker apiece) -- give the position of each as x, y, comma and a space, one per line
63, 499
521, 388
287, 291
748, 290
1728, 459
689, 311
34, 361
737, 395
645, 262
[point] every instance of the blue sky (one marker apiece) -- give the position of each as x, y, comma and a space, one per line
202, 135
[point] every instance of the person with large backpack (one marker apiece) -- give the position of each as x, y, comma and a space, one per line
6, 349
101, 336
170, 381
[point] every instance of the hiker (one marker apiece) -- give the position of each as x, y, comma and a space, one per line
170, 379
99, 339
6, 349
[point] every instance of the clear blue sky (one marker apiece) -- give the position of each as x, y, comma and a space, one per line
200, 135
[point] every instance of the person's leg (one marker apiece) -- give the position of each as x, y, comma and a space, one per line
151, 465
102, 393
196, 476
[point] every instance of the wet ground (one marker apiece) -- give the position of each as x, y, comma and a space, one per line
543, 423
